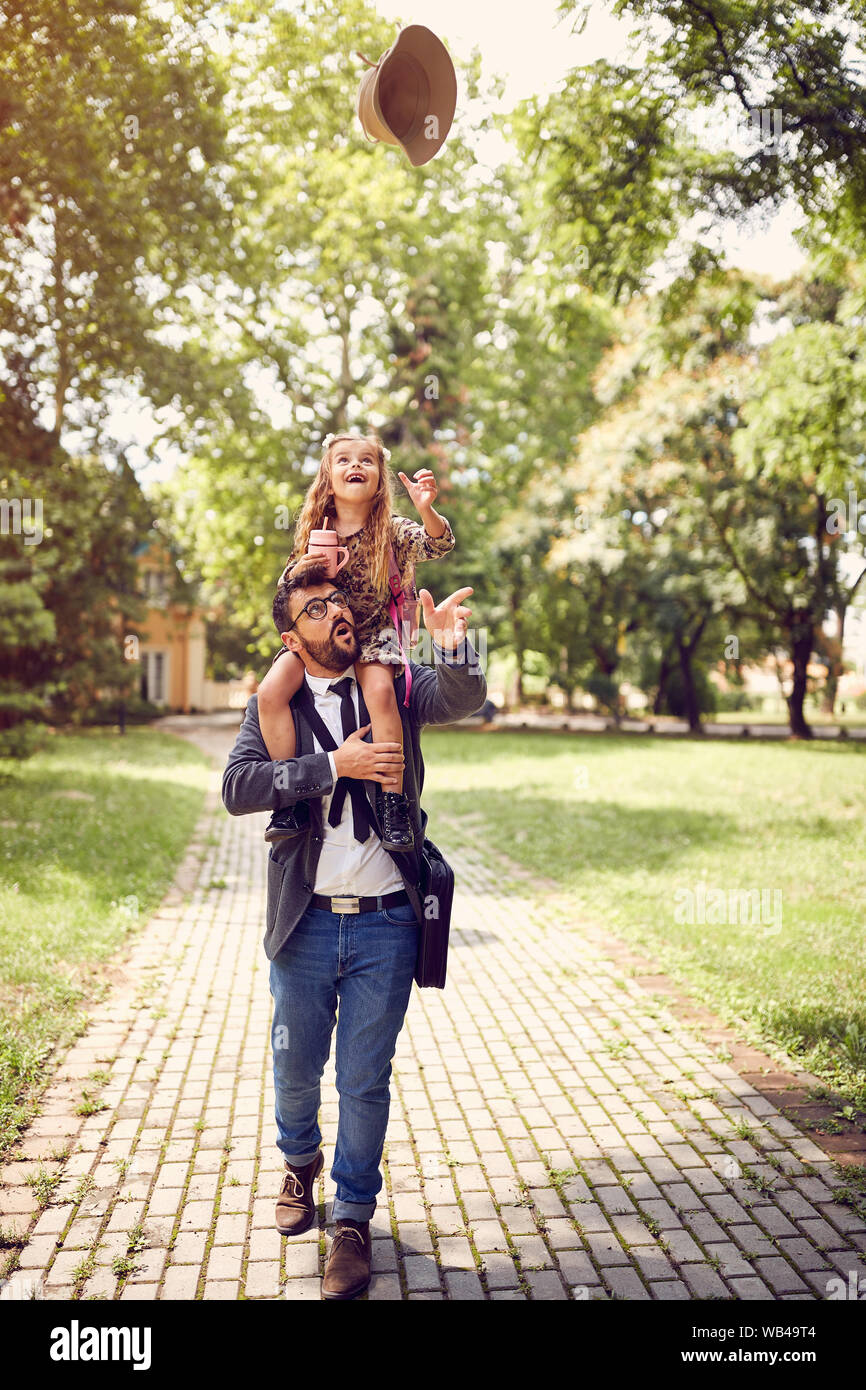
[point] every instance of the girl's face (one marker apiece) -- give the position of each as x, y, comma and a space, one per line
354, 471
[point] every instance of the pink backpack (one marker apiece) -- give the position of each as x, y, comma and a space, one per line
404, 611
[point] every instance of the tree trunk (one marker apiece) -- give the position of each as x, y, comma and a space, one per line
64, 374
690, 694
519, 648
801, 650
664, 668
834, 662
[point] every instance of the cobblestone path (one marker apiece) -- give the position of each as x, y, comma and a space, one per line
555, 1133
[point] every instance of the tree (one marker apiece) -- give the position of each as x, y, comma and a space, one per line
364, 292
722, 541
69, 647
26, 625
797, 59
805, 423
112, 192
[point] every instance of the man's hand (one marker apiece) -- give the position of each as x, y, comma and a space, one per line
446, 621
370, 762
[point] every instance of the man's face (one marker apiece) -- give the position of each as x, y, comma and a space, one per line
331, 641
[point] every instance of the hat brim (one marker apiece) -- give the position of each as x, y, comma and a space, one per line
410, 98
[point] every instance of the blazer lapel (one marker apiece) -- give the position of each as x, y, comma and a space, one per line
304, 744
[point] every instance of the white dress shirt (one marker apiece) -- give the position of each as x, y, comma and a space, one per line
346, 867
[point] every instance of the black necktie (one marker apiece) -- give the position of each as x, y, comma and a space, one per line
360, 807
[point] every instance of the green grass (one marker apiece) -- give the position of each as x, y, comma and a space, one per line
646, 818
76, 876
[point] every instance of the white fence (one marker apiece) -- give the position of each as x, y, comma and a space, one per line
226, 694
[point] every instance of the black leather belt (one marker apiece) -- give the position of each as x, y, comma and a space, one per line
350, 904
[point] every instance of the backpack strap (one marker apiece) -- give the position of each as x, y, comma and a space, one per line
395, 579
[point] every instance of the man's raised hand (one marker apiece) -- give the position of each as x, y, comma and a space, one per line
446, 621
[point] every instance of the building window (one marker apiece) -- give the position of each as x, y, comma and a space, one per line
154, 677
156, 588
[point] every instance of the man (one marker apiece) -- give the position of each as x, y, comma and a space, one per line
343, 913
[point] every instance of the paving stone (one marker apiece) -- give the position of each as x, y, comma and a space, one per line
751, 1290
822, 1234
518, 1221
463, 1285
415, 1238
421, 1272
779, 1275
303, 1290
848, 1261
670, 1291
704, 1227
448, 1220
384, 1256
545, 1286
803, 1254
262, 1279
681, 1246
489, 1235
652, 1262
726, 1209
500, 1270
532, 1251
606, 1250
455, 1252
479, 1206
181, 1281
626, 1284
385, 1288
703, 1281
576, 1267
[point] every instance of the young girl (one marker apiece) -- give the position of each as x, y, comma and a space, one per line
353, 489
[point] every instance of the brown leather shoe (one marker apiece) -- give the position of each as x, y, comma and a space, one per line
296, 1204
348, 1270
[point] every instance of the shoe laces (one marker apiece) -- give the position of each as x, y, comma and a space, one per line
348, 1231
293, 1186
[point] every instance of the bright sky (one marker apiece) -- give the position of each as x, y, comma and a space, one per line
532, 48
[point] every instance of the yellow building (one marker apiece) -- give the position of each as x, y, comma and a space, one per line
171, 637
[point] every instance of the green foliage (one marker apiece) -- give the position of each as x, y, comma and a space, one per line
727, 58
61, 643
111, 191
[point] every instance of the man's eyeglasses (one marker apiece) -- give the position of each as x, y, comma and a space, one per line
316, 608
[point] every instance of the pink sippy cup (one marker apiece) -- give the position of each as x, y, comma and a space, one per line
324, 543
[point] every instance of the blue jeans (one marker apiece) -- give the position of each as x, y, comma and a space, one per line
367, 960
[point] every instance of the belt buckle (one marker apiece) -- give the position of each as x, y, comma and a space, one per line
345, 904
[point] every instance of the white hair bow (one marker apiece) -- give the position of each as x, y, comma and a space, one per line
349, 434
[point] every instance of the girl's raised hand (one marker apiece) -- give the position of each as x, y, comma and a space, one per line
423, 490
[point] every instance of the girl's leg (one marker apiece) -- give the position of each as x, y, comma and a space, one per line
282, 681
376, 679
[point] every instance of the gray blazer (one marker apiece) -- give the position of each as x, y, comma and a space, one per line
450, 689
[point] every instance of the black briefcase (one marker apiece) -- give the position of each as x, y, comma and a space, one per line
437, 896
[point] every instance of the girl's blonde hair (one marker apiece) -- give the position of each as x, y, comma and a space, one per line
319, 503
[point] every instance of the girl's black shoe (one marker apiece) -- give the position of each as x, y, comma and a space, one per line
288, 822
395, 820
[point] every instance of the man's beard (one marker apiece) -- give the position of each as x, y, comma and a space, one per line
333, 657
